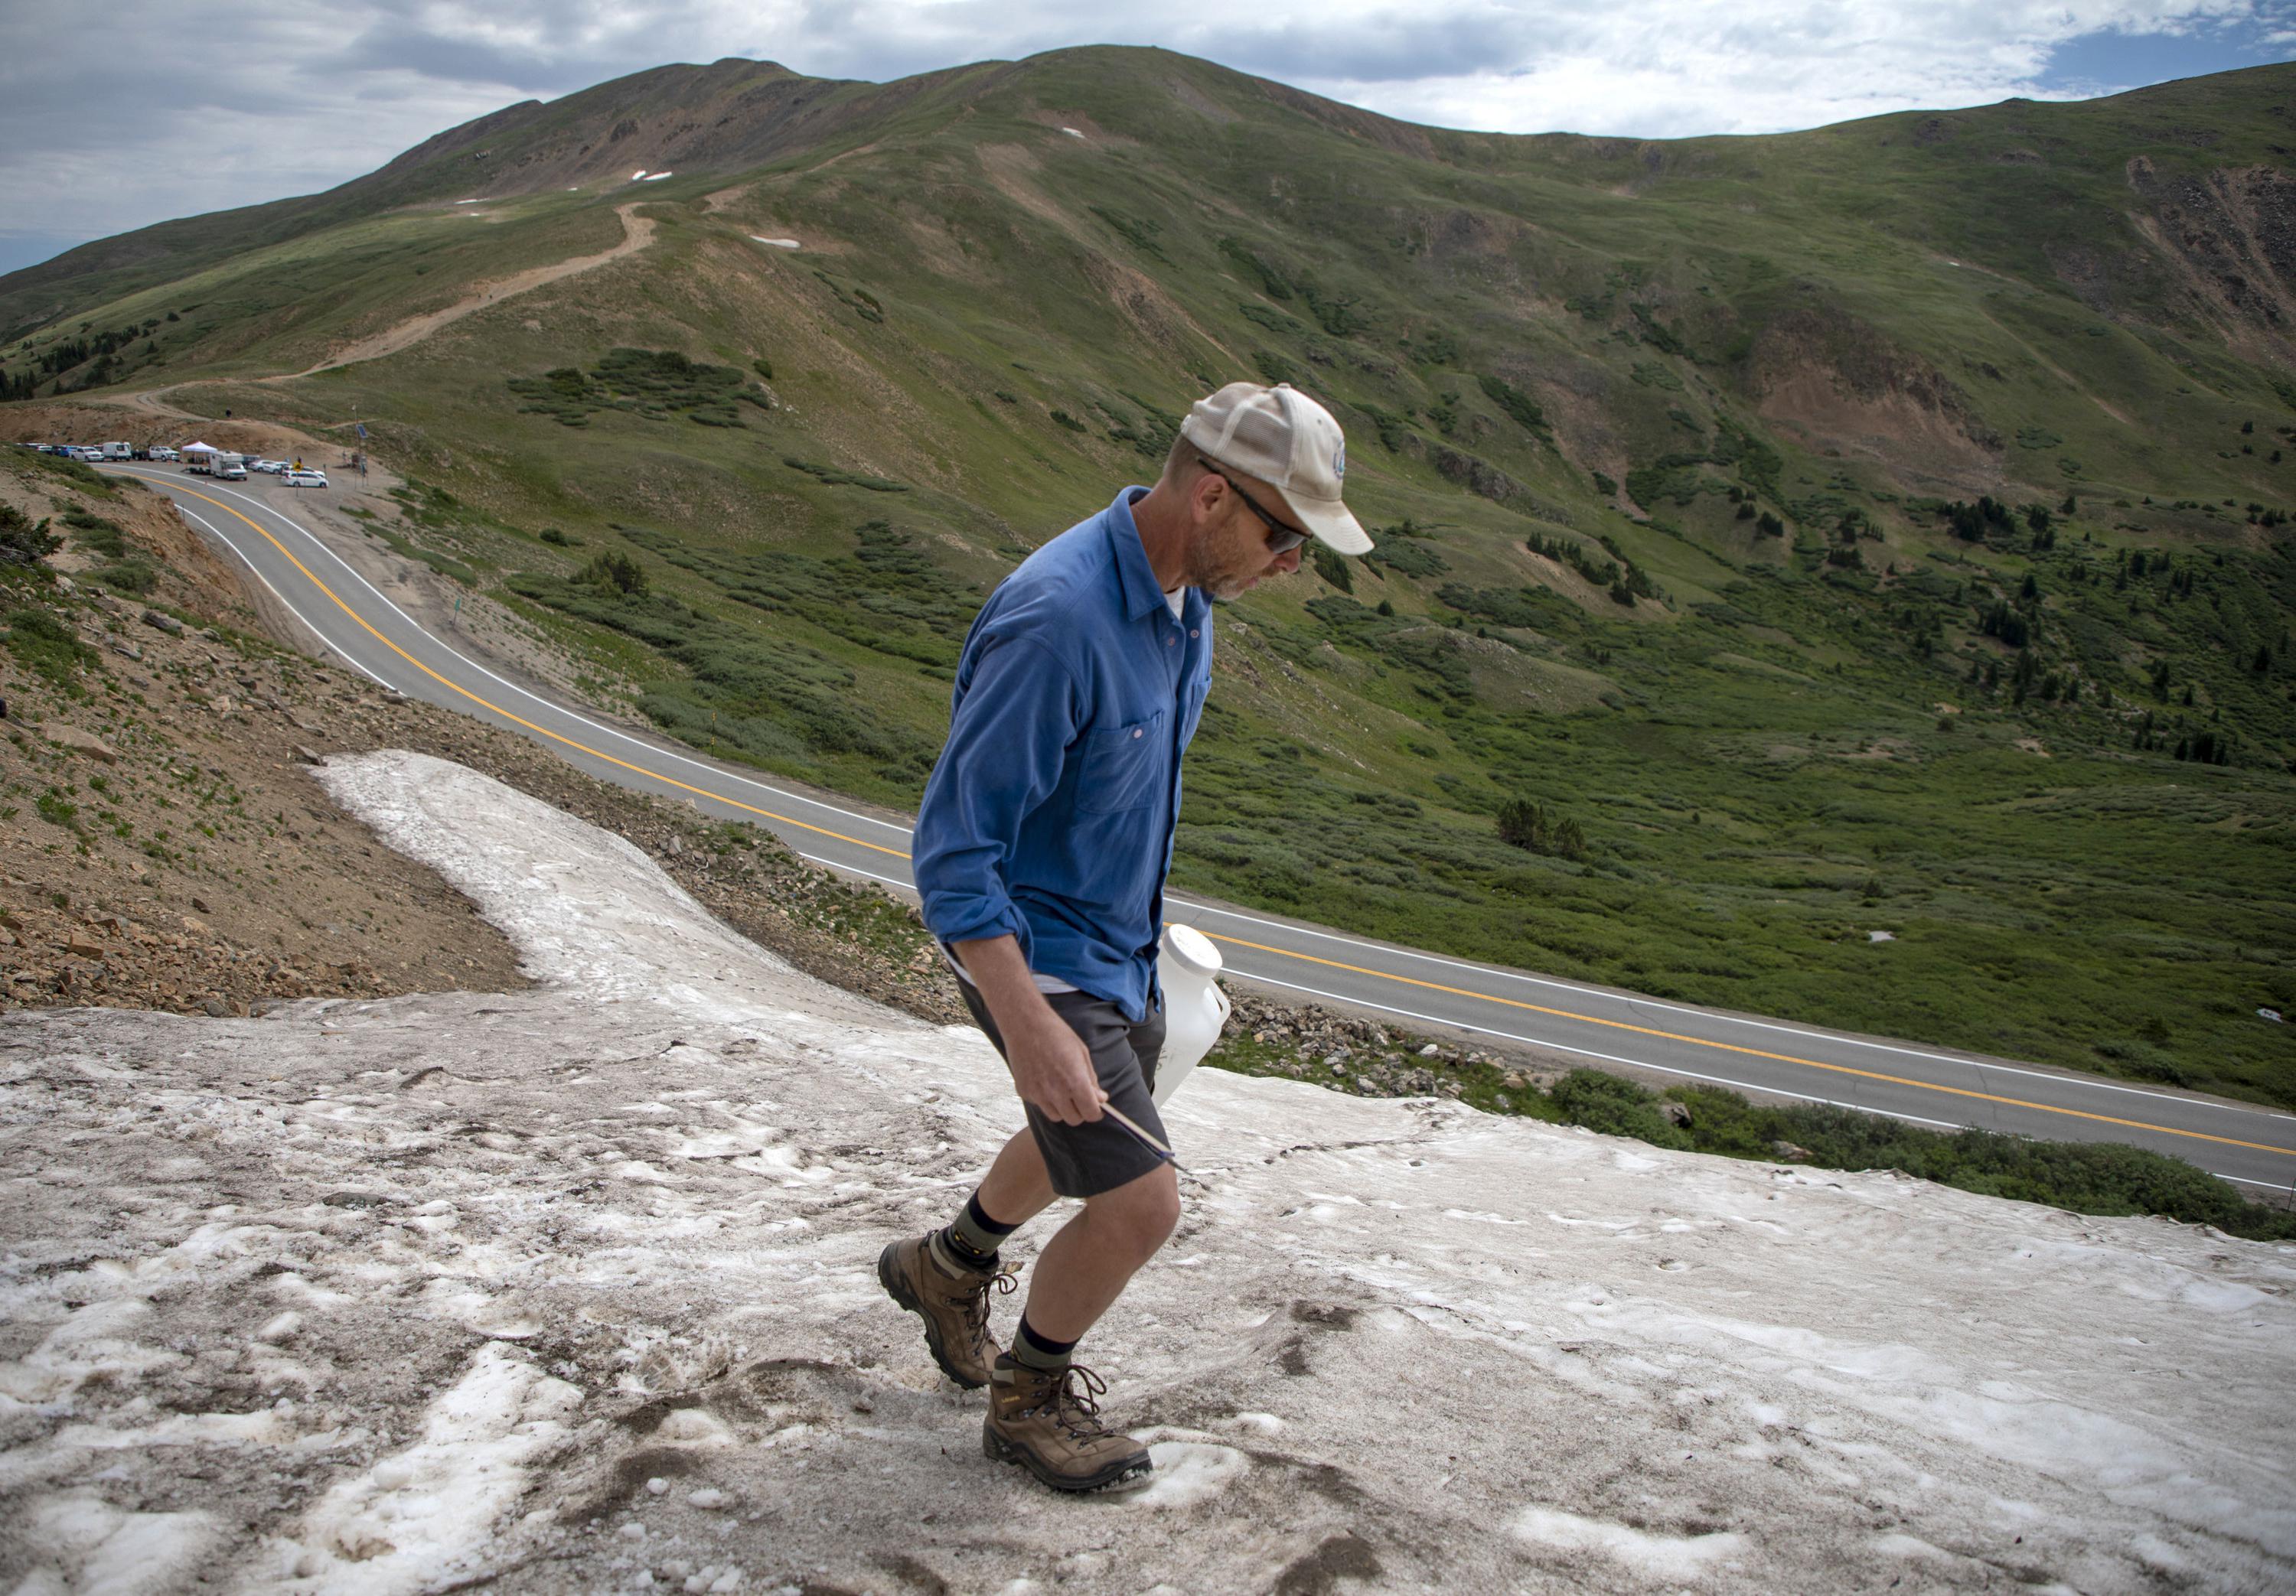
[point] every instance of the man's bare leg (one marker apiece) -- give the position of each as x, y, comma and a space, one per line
1090, 1260
1042, 1410
1017, 1187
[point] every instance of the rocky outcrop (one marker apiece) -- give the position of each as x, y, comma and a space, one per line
2232, 233
1845, 385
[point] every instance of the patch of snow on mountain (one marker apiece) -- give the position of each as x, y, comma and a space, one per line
573, 1289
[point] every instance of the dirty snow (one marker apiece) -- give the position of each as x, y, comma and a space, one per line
572, 1290
778, 243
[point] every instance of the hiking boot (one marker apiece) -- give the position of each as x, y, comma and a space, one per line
1049, 1423
951, 1299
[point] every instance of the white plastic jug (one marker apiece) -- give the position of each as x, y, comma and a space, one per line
1194, 1007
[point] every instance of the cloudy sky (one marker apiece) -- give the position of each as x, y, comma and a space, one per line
159, 110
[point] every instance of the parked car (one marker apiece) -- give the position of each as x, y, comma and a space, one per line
257, 462
91, 454
306, 478
162, 452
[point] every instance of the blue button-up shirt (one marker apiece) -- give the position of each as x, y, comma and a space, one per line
1050, 814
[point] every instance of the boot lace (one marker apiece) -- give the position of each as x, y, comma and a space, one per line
973, 1304
1074, 1403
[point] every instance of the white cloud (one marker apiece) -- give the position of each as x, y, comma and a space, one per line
156, 114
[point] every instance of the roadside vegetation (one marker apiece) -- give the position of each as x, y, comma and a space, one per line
1368, 1058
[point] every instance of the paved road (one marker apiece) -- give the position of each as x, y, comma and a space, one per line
289, 552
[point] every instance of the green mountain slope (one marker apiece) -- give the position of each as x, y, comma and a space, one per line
1874, 529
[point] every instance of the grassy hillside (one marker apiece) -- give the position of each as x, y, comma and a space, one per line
1874, 529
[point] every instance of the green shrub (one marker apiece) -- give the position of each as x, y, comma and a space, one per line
1402, 554
57, 810
1257, 267
1520, 406
2087, 1177
46, 647
1616, 1107
618, 572
22, 541
1526, 825
657, 384
137, 576
97, 533
836, 477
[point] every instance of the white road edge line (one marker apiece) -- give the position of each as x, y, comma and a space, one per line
1714, 1080
1764, 1024
324, 641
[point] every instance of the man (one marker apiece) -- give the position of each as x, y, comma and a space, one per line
1041, 851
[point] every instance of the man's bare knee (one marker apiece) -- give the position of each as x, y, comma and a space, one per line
1140, 1215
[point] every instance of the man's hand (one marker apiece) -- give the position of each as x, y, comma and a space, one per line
1051, 1068
1052, 1071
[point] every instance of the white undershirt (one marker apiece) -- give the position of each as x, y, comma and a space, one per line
1177, 598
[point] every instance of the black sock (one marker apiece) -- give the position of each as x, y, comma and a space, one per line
1038, 1350
973, 1239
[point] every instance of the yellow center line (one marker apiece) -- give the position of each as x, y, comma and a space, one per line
1756, 1052
1620, 1025
284, 553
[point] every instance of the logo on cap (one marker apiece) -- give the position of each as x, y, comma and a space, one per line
1340, 461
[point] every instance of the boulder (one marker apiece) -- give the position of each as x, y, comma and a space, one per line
80, 741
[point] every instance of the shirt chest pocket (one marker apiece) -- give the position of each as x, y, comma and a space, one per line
1121, 767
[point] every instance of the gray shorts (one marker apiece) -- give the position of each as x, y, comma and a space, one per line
1085, 1160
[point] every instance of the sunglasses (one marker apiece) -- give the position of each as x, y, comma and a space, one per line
1280, 539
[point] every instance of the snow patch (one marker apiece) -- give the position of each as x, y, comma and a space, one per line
410, 1521
245, 1275
1656, 1556
615, 930
105, 1551
778, 243
1187, 1473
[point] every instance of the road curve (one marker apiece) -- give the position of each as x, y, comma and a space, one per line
292, 554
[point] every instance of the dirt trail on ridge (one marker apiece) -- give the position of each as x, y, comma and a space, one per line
637, 232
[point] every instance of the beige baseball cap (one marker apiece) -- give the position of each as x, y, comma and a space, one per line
1288, 441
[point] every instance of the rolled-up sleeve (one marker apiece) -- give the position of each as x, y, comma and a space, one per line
1009, 729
